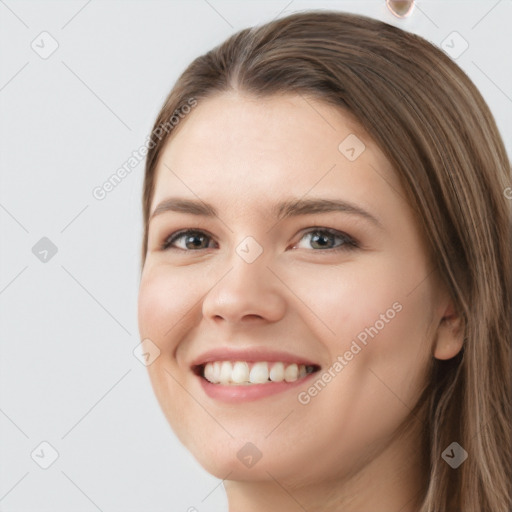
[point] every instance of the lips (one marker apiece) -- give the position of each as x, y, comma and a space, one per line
210, 366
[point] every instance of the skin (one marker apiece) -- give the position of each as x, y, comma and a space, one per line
242, 155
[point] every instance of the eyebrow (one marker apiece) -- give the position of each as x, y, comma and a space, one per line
289, 208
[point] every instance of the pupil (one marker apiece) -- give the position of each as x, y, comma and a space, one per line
192, 238
318, 239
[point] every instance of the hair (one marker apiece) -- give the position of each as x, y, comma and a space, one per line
435, 128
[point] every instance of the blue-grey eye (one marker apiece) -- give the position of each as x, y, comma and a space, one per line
191, 240
322, 238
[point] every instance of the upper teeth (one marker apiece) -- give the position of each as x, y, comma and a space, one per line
241, 372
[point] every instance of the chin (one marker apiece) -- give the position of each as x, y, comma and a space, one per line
244, 460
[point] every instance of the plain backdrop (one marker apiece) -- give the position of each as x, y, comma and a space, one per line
80, 85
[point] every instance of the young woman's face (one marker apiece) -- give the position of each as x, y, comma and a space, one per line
343, 286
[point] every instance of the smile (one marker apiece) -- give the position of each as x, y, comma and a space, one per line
238, 380
229, 373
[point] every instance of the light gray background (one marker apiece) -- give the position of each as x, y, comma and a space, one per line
69, 325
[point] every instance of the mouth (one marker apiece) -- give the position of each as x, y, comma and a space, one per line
246, 381
252, 373
247, 374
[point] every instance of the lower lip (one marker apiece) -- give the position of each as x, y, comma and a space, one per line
248, 393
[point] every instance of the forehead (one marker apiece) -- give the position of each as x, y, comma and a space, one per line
254, 149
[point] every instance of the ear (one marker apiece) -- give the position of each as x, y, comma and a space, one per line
450, 336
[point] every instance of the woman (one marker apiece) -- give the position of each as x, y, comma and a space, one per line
326, 272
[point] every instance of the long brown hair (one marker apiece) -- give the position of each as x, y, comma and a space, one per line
441, 138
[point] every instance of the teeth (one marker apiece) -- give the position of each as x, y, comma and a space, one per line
216, 371
209, 373
226, 369
277, 372
291, 373
259, 373
241, 372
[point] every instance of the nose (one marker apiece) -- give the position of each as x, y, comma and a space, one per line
246, 292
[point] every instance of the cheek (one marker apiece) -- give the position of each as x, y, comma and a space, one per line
376, 318
165, 299
346, 299
384, 303
380, 334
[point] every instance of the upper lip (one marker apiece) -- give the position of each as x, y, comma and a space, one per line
249, 355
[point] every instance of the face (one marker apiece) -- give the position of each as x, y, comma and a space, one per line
338, 284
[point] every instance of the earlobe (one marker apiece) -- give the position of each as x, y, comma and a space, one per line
450, 337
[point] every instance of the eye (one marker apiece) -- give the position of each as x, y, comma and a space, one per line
319, 238
325, 238
191, 239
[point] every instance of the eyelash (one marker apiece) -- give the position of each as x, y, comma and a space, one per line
349, 243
